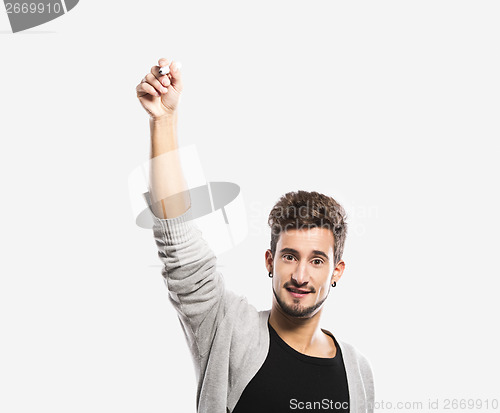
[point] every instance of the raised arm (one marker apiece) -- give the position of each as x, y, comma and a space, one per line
196, 287
160, 96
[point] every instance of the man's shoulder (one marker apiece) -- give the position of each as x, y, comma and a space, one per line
353, 351
350, 348
351, 354
243, 315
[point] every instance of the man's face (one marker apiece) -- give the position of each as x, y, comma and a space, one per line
303, 270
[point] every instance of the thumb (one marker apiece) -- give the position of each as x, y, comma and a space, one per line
176, 76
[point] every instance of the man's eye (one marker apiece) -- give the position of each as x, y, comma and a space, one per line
318, 261
286, 257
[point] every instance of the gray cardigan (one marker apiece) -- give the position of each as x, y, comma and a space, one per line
228, 338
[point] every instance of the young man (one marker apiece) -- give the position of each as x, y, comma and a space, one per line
278, 360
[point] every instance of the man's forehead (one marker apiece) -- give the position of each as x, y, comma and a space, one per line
321, 237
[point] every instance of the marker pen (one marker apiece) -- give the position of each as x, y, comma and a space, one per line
166, 69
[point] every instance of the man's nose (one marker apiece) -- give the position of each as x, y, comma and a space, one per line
300, 274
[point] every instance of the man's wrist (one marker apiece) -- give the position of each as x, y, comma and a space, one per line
168, 117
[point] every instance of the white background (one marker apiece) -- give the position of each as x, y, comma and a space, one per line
391, 107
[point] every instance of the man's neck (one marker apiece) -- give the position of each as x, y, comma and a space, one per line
302, 334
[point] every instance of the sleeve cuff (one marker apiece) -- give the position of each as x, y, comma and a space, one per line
174, 230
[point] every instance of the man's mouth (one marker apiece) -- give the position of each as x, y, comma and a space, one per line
297, 292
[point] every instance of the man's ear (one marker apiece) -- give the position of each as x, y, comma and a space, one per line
269, 260
338, 271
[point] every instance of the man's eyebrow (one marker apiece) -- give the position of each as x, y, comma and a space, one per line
293, 251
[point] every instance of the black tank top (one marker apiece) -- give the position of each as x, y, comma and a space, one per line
290, 381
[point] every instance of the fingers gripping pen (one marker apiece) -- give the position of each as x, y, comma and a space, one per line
166, 69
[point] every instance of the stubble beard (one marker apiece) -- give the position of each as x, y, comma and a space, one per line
297, 310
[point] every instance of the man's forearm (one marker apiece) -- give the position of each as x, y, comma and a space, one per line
167, 186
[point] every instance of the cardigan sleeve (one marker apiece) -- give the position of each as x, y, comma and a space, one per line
196, 288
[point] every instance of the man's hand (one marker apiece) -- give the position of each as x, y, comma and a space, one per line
160, 94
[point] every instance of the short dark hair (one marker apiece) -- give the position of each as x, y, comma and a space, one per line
304, 210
